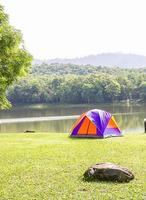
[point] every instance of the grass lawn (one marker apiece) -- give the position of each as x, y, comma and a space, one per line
45, 166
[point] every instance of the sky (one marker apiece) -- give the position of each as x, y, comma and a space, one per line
77, 28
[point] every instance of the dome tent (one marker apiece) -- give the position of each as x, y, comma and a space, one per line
96, 123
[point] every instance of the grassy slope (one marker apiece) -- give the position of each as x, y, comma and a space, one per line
50, 166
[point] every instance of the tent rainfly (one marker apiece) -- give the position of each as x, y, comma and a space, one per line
96, 123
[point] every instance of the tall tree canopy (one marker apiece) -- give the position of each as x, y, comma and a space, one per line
14, 59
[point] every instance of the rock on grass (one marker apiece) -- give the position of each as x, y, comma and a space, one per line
108, 172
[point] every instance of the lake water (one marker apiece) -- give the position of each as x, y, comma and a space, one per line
129, 117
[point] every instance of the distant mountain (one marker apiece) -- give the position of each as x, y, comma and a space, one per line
105, 59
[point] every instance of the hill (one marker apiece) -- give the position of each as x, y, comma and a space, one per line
105, 59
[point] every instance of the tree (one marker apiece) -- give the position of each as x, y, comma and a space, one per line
14, 58
111, 89
126, 88
142, 91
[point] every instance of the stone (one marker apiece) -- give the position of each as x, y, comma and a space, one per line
28, 131
108, 172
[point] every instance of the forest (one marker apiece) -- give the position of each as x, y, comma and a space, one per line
68, 83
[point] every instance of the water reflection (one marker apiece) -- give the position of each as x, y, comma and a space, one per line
130, 122
62, 126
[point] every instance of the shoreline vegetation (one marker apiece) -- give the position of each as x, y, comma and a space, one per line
51, 166
79, 84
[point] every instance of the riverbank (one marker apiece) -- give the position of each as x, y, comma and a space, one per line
50, 166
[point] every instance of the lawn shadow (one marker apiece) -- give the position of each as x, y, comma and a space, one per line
102, 181
92, 137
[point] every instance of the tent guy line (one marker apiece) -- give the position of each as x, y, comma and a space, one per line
53, 118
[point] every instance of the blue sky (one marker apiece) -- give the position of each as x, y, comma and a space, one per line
75, 28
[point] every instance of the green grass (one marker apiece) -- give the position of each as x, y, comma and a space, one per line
51, 166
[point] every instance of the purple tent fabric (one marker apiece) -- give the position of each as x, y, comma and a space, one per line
100, 119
